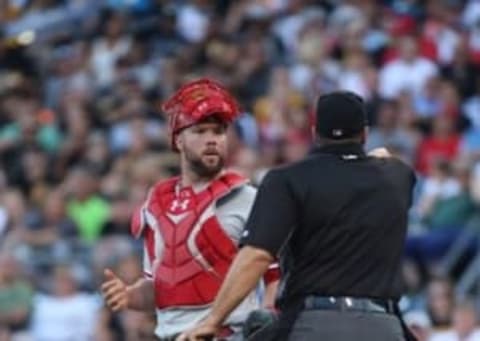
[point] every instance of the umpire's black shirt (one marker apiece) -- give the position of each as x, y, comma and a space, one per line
337, 220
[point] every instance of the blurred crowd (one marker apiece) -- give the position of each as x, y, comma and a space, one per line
82, 136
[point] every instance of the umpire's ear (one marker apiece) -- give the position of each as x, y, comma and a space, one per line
364, 135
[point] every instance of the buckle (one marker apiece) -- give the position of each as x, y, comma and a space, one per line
348, 302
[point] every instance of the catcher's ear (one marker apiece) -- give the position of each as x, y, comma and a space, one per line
178, 141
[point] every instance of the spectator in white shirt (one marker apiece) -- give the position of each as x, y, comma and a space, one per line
108, 50
420, 324
464, 324
410, 72
66, 314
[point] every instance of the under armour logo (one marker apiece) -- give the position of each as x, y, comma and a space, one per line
179, 205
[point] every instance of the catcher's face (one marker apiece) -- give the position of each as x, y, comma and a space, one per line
203, 146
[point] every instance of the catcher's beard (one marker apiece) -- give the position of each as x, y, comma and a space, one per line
200, 168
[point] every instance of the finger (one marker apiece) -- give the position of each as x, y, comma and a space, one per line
115, 295
181, 337
187, 337
119, 305
105, 286
200, 336
109, 296
114, 290
109, 274
205, 336
111, 301
116, 298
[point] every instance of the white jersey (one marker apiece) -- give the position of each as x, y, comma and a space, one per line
232, 212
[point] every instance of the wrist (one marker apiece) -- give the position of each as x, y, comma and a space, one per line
214, 320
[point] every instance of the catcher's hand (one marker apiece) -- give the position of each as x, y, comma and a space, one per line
114, 291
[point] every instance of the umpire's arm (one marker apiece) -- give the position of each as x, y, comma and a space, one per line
269, 225
245, 272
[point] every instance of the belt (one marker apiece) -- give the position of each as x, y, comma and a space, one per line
167, 338
225, 332
349, 304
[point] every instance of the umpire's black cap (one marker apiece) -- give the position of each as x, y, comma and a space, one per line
340, 115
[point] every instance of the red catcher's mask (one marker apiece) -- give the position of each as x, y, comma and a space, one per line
195, 101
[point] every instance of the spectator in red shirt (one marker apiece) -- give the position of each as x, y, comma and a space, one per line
442, 143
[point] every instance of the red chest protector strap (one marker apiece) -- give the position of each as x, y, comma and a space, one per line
163, 197
164, 193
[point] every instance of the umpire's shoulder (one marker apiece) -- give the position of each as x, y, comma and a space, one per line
397, 165
284, 174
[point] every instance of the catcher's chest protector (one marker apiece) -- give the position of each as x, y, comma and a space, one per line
189, 249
